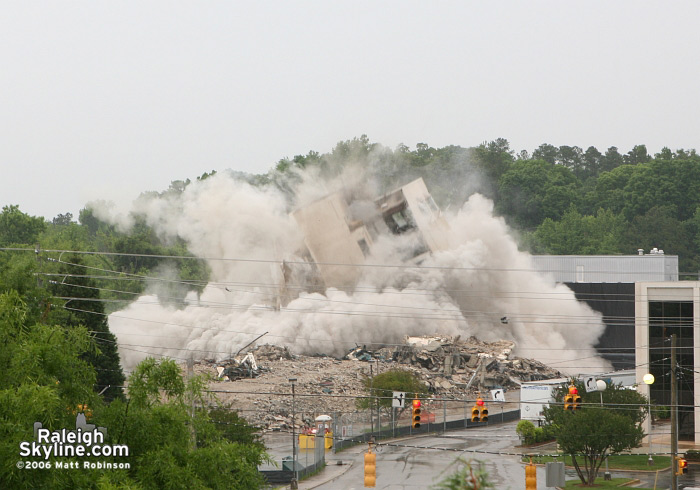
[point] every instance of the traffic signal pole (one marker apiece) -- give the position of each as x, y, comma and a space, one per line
674, 415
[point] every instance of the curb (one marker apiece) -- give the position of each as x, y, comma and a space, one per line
335, 477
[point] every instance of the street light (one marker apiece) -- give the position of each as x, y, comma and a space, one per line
649, 380
601, 385
294, 485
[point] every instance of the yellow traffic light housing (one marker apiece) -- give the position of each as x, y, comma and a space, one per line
530, 476
572, 400
415, 414
475, 413
682, 466
577, 402
370, 468
568, 402
484, 417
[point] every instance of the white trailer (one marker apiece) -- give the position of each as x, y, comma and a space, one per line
536, 395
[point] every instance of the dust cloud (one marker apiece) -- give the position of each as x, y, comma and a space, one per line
482, 285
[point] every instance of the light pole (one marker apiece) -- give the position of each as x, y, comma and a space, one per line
649, 380
294, 484
601, 388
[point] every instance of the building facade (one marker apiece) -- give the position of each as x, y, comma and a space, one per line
663, 309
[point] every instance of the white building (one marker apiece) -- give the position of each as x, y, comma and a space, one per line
661, 310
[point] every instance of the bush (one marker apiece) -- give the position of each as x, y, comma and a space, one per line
662, 413
527, 432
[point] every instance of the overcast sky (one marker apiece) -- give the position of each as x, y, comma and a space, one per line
104, 100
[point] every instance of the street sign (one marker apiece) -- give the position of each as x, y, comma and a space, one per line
498, 395
590, 383
398, 400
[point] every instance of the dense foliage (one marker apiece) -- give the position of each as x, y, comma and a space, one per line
382, 386
529, 434
58, 352
562, 200
47, 378
607, 422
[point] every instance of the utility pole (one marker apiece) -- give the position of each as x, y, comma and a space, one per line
371, 391
295, 482
379, 415
190, 375
674, 415
37, 251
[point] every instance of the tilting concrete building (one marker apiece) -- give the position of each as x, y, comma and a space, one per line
338, 244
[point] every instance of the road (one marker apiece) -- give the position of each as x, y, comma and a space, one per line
411, 464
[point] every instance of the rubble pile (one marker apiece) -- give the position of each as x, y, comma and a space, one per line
258, 383
451, 365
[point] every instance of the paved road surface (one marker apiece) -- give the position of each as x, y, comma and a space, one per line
404, 467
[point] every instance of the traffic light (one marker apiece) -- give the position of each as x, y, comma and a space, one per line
415, 416
568, 402
484, 414
530, 476
682, 466
370, 468
577, 401
572, 400
475, 413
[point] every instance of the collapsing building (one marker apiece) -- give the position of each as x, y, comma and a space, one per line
337, 241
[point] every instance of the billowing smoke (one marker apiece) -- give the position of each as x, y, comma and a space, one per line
482, 285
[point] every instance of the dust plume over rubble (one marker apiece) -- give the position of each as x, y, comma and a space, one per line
264, 280
451, 367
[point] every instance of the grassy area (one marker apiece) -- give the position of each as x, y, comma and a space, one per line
616, 462
600, 483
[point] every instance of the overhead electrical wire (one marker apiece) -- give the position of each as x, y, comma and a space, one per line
295, 262
200, 303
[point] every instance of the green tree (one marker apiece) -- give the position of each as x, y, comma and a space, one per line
87, 310
612, 159
44, 380
592, 435
597, 429
170, 446
659, 227
675, 183
637, 155
19, 228
526, 431
609, 189
583, 235
532, 190
63, 219
383, 385
547, 153
495, 158
572, 158
592, 161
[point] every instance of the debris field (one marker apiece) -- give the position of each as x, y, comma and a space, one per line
257, 383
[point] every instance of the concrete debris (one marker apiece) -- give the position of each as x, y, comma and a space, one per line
451, 367
362, 354
268, 352
239, 368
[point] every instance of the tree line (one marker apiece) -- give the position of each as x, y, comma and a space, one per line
58, 351
561, 200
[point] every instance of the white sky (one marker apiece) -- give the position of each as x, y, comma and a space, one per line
104, 100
